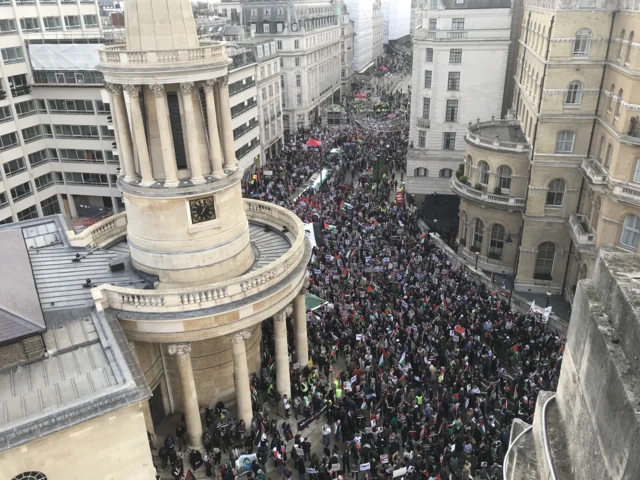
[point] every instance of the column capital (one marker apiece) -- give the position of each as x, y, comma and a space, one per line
239, 337
281, 316
179, 348
113, 88
223, 81
157, 89
209, 85
186, 88
132, 90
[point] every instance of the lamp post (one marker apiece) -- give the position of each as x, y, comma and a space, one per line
435, 225
509, 240
548, 297
477, 256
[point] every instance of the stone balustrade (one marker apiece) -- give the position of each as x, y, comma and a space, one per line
471, 193
627, 192
208, 52
105, 232
583, 233
594, 171
474, 136
204, 296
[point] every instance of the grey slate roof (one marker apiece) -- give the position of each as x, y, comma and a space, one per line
20, 312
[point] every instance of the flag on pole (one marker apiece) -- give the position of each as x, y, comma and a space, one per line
515, 393
381, 361
402, 359
516, 355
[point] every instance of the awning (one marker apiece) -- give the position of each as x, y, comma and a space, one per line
76, 56
313, 302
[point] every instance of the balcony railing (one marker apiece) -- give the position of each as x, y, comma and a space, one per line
448, 35
105, 232
473, 194
207, 52
475, 136
628, 192
423, 123
594, 171
225, 292
582, 232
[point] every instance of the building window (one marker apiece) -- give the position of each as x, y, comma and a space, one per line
636, 172
607, 159
279, 44
426, 107
102, 108
5, 114
422, 138
25, 109
455, 55
445, 173
43, 181
254, 12
8, 27
496, 242
429, 57
51, 24
484, 172
31, 134
299, 98
433, 23
298, 80
21, 191
12, 55
76, 131
627, 56
454, 81
427, 78
72, 22
267, 12
630, 231
616, 112
457, 24
9, 140
582, 43
574, 93
452, 111
90, 21
421, 172
478, 234
296, 44
555, 193
14, 167
504, 178
544, 261
38, 158
266, 28
50, 206
564, 142
31, 24
26, 214
449, 141
587, 4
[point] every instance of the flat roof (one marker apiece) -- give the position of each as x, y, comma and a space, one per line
503, 133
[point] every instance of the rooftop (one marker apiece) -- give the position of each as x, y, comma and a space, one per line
475, 4
504, 135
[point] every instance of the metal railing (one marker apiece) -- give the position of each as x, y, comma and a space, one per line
220, 293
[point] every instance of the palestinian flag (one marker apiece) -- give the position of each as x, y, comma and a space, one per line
403, 359
516, 355
369, 288
375, 224
381, 361
515, 393
344, 206
329, 227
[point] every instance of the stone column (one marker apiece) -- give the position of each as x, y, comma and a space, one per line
168, 154
300, 326
215, 152
140, 136
282, 353
72, 206
230, 161
121, 126
116, 208
241, 371
189, 397
192, 135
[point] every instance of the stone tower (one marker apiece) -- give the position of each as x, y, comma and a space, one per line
181, 188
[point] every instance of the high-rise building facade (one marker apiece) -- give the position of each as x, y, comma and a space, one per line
569, 164
397, 19
459, 67
347, 34
57, 153
377, 32
361, 12
308, 38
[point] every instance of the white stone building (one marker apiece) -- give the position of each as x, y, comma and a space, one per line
397, 19
56, 148
361, 12
308, 37
378, 32
459, 66
347, 34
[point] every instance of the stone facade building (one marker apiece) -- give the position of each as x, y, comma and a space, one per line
570, 161
378, 32
459, 67
347, 34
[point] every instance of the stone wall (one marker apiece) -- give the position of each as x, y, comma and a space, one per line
111, 446
27, 349
599, 387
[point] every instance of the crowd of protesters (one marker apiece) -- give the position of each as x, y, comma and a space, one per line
415, 371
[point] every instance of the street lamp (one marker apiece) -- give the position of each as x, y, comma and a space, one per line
548, 297
435, 225
477, 256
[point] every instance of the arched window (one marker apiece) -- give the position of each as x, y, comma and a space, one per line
555, 193
484, 172
611, 99
564, 141
582, 273
630, 231
496, 243
595, 216
465, 228
504, 178
446, 173
636, 172
478, 234
621, 46
544, 261
582, 43
574, 93
607, 159
601, 152
421, 172
627, 56
616, 112
30, 476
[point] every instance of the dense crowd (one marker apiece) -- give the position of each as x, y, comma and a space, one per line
415, 371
